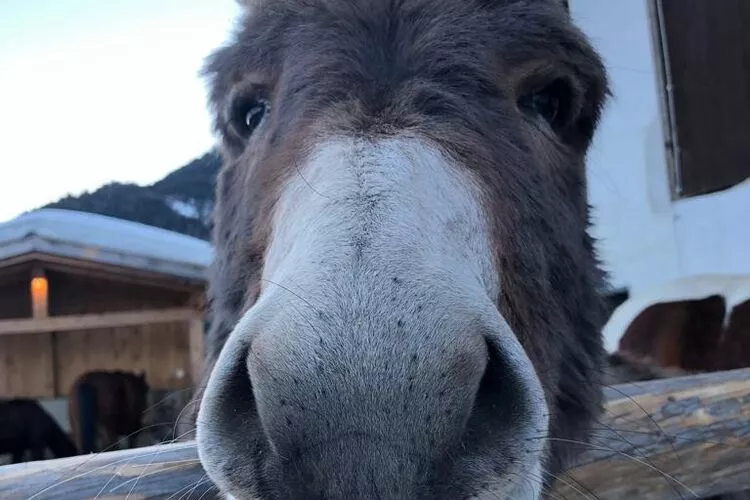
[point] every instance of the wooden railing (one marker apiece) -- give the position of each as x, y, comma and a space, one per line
686, 437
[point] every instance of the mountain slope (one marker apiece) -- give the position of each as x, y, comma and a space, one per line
182, 201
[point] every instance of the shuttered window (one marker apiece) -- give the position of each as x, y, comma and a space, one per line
708, 60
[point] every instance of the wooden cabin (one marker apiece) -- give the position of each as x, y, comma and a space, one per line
81, 292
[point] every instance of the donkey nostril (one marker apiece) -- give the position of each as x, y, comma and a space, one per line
503, 397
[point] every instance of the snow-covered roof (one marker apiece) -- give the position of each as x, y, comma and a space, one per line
734, 289
98, 238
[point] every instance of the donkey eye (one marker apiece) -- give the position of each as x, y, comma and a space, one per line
247, 115
552, 103
546, 105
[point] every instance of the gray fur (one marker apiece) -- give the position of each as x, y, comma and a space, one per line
343, 399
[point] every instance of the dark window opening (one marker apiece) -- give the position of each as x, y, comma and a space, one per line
707, 50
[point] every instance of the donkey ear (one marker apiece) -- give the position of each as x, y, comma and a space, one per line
563, 5
560, 3
491, 3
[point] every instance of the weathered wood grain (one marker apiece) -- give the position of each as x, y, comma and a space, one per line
686, 437
154, 473
94, 321
658, 440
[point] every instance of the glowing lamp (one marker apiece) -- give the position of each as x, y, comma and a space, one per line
39, 295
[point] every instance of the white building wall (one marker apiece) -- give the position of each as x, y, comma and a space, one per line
714, 232
645, 238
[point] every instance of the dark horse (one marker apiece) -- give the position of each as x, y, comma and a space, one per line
106, 405
25, 425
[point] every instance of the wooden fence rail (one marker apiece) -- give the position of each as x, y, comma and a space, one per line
686, 437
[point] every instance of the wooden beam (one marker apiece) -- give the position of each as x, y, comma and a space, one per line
104, 271
666, 439
197, 353
701, 441
155, 472
94, 321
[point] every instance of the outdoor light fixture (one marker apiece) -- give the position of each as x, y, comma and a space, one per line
39, 296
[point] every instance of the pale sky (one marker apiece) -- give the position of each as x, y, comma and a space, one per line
93, 91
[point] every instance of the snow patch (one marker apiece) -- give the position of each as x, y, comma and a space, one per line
734, 289
96, 237
184, 208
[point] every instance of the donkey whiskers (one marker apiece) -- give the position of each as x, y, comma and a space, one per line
199, 482
102, 467
629, 457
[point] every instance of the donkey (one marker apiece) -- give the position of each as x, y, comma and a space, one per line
107, 405
26, 426
406, 301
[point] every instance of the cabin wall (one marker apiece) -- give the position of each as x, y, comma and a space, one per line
27, 366
646, 238
161, 350
75, 294
18, 351
15, 301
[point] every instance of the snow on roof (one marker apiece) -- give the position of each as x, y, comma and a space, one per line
108, 240
734, 289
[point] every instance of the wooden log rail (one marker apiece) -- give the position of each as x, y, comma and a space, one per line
686, 437
97, 320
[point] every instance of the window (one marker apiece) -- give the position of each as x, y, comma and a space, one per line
705, 46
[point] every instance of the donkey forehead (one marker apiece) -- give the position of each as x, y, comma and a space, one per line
397, 38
